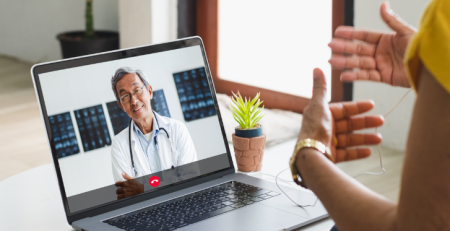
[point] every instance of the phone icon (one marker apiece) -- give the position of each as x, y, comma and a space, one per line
154, 181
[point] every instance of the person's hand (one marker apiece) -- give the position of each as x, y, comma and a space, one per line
317, 120
345, 121
128, 188
380, 57
324, 123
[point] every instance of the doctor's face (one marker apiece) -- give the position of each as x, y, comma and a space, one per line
134, 97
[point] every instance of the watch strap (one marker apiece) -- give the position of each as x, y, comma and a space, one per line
307, 143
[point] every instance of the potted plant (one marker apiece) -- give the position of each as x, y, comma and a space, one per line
248, 139
89, 41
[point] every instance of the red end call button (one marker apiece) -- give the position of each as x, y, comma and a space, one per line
154, 181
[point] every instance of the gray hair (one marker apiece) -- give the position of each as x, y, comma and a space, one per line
123, 71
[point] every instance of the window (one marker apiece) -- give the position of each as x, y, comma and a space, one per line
274, 44
208, 28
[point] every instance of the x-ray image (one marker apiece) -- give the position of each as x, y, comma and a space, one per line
159, 104
92, 127
64, 140
120, 120
194, 94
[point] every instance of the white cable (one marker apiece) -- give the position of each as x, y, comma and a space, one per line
276, 181
383, 171
360, 174
287, 181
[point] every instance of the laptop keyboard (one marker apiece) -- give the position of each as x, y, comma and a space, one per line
191, 208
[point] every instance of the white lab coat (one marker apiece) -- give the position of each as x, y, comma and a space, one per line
176, 150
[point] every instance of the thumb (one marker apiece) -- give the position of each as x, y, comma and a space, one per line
126, 176
393, 20
320, 86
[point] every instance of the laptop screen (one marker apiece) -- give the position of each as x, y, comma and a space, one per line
129, 126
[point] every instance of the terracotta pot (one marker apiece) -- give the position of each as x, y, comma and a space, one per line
249, 152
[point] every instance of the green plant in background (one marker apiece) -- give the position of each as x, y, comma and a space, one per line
89, 20
246, 112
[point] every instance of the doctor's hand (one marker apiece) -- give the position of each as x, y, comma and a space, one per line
128, 188
333, 124
377, 55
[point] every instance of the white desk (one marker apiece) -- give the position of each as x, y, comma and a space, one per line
31, 200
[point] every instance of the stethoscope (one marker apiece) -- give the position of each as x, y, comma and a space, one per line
156, 142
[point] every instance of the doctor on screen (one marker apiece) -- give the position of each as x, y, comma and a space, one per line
151, 143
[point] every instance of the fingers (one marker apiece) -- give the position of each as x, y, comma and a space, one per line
119, 183
348, 32
346, 109
126, 176
393, 20
351, 154
358, 123
340, 62
350, 76
350, 139
349, 47
320, 86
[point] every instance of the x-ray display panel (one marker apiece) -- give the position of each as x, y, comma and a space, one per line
194, 94
159, 103
92, 127
64, 140
119, 119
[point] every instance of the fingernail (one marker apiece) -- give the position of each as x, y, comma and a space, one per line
123, 173
316, 73
388, 9
391, 12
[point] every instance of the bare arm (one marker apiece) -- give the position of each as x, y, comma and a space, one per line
350, 204
424, 202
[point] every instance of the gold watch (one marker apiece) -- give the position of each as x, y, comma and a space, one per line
307, 143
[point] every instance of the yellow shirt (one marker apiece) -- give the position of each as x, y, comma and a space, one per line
431, 45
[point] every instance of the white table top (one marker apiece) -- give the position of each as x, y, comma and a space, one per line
31, 200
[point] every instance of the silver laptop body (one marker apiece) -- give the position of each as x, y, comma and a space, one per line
72, 139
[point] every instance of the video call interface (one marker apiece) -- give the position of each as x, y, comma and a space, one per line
83, 138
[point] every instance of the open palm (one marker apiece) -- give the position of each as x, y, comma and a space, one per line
379, 58
335, 124
346, 118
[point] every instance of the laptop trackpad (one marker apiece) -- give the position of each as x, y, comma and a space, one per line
252, 217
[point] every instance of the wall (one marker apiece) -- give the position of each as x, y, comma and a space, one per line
397, 124
145, 22
76, 88
29, 28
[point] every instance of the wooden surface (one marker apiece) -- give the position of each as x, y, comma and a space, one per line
337, 88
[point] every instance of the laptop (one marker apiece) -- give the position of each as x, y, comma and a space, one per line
95, 138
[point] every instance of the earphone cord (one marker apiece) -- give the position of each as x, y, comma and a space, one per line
360, 174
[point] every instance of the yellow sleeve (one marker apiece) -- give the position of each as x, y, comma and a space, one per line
431, 45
